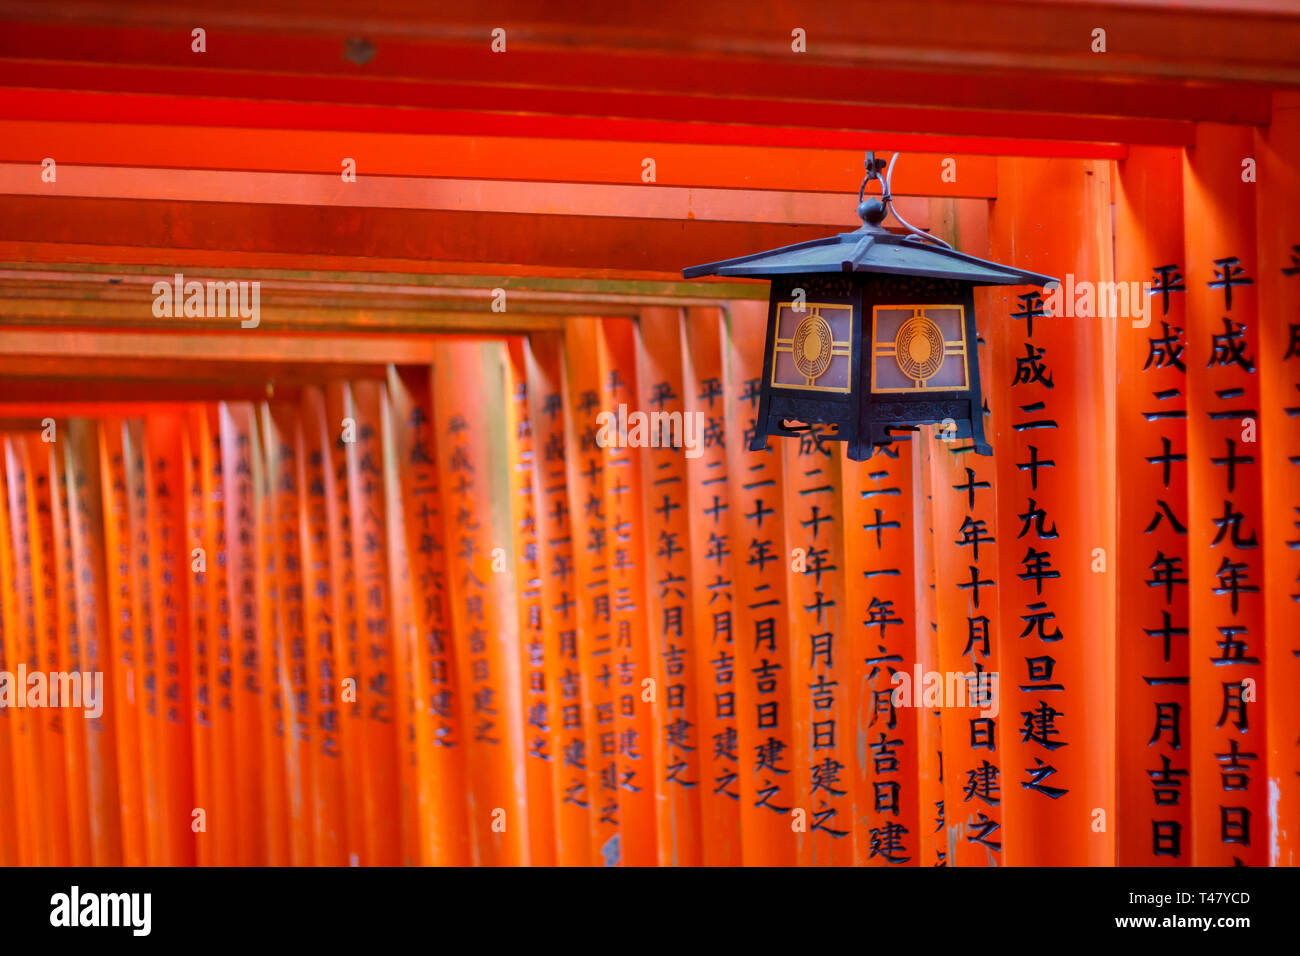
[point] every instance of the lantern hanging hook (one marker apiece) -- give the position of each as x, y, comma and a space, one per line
874, 167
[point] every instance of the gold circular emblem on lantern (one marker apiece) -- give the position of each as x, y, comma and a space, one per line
812, 347
918, 348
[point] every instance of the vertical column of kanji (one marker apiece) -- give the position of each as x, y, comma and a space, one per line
673, 437
532, 637
1225, 516
880, 623
1152, 813
70, 656
820, 669
44, 589
932, 837
21, 649
222, 809
586, 484
86, 524
555, 559
13, 839
1277, 207
275, 791
440, 738
764, 672
122, 632
964, 685
283, 428
1052, 389
340, 429
403, 641
28, 809
328, 793
403, 629
955, 687
237, 459
708, 504
469, 413
635, 715
201, 618
377, 681
169, 567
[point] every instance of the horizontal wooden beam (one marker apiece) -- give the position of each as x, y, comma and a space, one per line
340, 266
365, 103
252, 359
61, 398
584, 244
628, 82
1247, 40
958, 132
94, 312
391, 286
836, 211
801, 166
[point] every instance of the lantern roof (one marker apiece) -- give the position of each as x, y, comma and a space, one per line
870, 248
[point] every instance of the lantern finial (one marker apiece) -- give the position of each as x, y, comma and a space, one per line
873, 211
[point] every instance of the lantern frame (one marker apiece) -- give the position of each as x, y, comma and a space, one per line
866, 270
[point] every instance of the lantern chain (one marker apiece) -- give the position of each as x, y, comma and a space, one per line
874, 167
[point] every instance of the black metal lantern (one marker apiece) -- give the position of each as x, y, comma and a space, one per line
870, 331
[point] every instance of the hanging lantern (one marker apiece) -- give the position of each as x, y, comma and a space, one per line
870, 331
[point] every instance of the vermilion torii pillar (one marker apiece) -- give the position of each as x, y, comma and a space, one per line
1225, 515
1153, 825
1054, 455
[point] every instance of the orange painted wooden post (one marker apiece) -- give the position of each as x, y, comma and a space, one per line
1225, 518
960, 647
765, 669
81, 850
11, 788
820, 670
881, 625
712, 608
201, 618
328, 792
137, 483
671, 579
470, 417
532, 637
965, 685
275, 792
238, 453
440, 738
555, 558
30, 811
932, 837
169, 586
589, 523
1153, 810
281, 426
1277, 206
24, 639
403, 629
86, 526
634, 716
347, 648
45, 581
377, 685
124, 633
1053, 444
223, 814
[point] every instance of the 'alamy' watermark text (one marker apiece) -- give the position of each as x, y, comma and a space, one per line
208, 300
622, 429
73, 689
